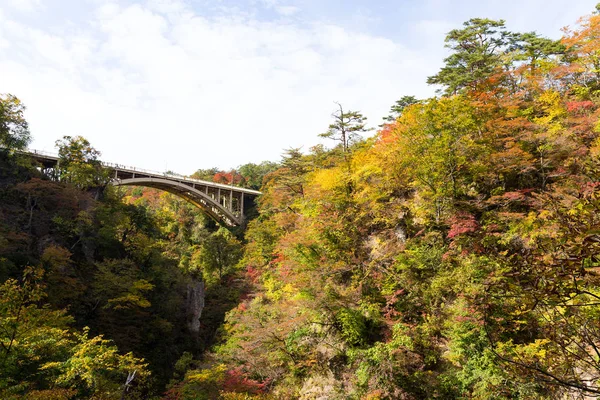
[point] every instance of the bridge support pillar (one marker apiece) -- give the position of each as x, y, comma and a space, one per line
242, 206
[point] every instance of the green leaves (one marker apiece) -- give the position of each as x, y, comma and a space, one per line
219, 253
477, 50
79, 163
346, 128
39, 350
14, 130
484, 52
29, 334
95, 366
118, 285
398, 108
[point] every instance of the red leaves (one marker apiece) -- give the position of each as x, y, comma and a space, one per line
589, 188
389, 311
580, 107
236, 381
462, 223
228, 178
252, 273
516, 197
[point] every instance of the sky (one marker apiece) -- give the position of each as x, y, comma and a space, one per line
186, 84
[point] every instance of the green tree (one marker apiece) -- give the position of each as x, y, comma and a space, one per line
95, 367
531, 48
254, 173
205, 174
346, 127
79, 163
291, 176
14, 130
30, 333
399, 106
477, 51
219, 253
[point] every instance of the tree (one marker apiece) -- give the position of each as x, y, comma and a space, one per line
254, 173
205, 174
584, 44
531, 48
398, 108
228, 178
220, 252
79, 163
477, 54
292, 174
346, 127
30, 333
96, 367
14, 130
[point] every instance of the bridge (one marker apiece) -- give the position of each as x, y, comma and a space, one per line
224, 203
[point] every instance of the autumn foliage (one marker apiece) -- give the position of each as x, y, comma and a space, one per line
454, 255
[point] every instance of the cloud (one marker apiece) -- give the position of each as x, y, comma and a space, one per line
181, 85
24, 5
287, 10
160, 85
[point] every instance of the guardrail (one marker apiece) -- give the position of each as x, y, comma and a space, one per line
136, 170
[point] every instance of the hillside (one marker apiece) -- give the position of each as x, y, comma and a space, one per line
454, 254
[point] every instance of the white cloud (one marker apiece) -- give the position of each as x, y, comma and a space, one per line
287, 10
159, 86
24, 5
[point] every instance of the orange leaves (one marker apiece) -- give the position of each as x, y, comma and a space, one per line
386, 134
585, 41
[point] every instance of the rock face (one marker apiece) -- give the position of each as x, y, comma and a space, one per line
195, 304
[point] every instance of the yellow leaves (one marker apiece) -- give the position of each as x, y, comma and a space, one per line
550, 103
575, 210
50, 394
537, 350
545, 215
214, 374
327, 179
56, 256
549, 98
595, 148
365, 165
277, 290
93, 364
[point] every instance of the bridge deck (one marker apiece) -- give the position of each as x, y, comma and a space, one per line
223, 202
126, 172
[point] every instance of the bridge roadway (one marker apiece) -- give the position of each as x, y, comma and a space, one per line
224, 203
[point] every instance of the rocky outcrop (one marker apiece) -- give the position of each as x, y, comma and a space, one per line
194, 304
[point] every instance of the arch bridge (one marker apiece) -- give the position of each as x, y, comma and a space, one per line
224, 203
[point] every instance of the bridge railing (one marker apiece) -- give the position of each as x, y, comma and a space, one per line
42, 153
137, 170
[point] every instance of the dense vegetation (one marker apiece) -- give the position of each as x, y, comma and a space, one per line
455, 254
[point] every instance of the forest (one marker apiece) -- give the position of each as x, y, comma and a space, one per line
453, 253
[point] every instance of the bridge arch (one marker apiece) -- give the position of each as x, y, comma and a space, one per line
224, 203
202, 200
